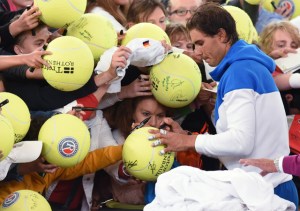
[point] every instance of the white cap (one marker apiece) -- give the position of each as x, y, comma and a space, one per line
22, 152
296, 22
145, 52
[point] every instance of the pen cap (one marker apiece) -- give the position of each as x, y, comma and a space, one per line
143, 161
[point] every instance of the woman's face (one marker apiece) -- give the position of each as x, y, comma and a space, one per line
282, 39
182, 42
21, 4
158, 18
149, 107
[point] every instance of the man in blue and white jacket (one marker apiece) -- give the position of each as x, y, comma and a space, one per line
249, 114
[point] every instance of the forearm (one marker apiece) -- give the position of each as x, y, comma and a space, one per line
94, 161
15, 28
282, 81
108, 100
10, 61
238, 133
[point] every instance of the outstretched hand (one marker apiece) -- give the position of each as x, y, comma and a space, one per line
281, 53
39, 165
267, 165
173, 142
28, 20
35, 59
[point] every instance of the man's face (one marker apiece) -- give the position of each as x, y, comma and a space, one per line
31, 43
212, 48
181, 10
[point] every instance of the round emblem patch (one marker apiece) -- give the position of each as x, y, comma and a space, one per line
68, 147
10, 200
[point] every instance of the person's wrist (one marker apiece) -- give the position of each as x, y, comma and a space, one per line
119, 96
276, 164
188, 132
14, 29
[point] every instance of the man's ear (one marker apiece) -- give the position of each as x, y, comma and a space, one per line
17, 49
222, 35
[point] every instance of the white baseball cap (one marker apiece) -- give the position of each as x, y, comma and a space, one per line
145, 52
22, 152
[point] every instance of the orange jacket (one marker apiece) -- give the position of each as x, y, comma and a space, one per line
94, 161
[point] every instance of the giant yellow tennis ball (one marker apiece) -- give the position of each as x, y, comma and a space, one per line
176, 81
60, 13
87, 28
145, 30
66, 140
244, 25
7, 136
22, 200
291, 7
142, 160
17, 112
71, 61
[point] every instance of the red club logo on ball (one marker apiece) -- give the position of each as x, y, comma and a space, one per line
68, 147
288, 5
10, 200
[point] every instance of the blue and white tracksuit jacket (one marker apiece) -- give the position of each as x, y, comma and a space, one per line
249, 115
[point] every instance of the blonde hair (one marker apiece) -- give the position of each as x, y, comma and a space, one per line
266, 37
177, 30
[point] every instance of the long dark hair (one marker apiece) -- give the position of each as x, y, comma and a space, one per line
120, 115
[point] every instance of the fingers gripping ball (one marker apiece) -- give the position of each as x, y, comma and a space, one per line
87, 28
25, 200
17, 112
244, 25
71, 63
142, 160
291, 7
7, 136
60, 13
176, 81
145, 30
66, 140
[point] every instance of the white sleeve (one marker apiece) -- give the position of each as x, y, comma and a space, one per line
108, 100
235, 127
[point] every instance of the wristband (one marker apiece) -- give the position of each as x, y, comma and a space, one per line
276, 163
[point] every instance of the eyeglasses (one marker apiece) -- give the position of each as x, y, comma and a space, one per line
183, 12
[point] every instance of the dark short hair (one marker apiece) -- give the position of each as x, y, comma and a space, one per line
210, 18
